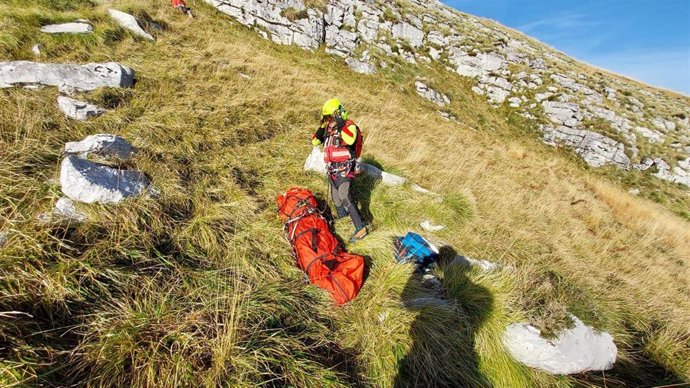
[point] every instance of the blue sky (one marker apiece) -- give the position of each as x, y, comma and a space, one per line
646, 40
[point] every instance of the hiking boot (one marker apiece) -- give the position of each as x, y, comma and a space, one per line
341, 212
360, 234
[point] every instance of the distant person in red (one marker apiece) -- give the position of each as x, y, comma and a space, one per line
182, 7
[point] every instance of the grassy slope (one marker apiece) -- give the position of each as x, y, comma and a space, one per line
198, 286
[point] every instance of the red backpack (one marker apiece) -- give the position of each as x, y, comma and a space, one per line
317, 252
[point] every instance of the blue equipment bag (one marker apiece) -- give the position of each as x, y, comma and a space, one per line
413, 248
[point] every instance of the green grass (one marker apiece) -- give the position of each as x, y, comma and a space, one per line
197, 287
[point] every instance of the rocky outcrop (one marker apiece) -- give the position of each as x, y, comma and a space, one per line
129, 22
78, 110
282, 21
68, 28
678, 174
598, 115
67, 76
484, 265
596, 150
576, 350
430, 94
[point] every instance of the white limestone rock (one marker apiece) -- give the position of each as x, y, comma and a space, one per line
36, 49
361, 65
386, 178
65, 209
430, 94
429, 227
563, 113
576, 350
680, 173
90, 182
267, 16
78, 77
129, 22
406, 31
596, 149
103, 145
484, 265
651, 135
68, 28
78, 110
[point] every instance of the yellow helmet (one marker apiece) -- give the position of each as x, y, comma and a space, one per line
330, 107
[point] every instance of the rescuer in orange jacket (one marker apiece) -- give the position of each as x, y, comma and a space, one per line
342, 145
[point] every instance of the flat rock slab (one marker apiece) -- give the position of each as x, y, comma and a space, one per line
129, 22
68, 28
90, 182
102, 145
71, 76
429, 227
484, 265
78, 110
576, 350
316, 163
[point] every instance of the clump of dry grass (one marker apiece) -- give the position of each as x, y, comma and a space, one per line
197, 287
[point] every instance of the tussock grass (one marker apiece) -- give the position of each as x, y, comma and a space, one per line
198, 287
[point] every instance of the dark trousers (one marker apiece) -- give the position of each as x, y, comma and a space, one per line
342, 196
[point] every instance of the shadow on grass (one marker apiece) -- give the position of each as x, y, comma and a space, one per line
443, 350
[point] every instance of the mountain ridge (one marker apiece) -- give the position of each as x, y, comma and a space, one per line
368, 34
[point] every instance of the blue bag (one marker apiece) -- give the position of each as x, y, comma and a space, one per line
413, 248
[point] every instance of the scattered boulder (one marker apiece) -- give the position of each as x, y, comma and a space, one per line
85, 181
78, 110
36, 49
102, 145
78, 77
576, 350
68, 28
129, 22
430, 94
